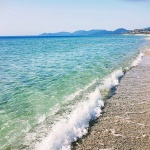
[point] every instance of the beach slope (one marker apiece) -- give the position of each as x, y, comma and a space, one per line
125, 123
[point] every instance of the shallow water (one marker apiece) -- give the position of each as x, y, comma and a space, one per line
42, 80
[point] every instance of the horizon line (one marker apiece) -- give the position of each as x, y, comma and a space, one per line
29, 35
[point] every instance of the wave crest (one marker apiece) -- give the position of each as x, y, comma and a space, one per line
76, 125
137, 61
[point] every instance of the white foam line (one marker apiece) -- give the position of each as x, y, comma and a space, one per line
76, 125
138, 60
112, 80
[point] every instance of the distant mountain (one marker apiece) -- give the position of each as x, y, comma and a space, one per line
87, 33
80, 33
121, 31
91, 32
56, 34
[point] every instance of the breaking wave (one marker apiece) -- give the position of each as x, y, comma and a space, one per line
137, 61
76, 124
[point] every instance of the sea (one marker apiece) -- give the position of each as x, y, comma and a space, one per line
52, 87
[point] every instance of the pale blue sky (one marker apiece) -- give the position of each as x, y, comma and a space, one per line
30, 17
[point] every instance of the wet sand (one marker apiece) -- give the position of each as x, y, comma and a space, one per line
125, 123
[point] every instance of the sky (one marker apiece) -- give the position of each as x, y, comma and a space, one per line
33, 17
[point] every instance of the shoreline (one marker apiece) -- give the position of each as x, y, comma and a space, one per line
92, 110
125, 122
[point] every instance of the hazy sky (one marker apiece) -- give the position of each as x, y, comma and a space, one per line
29, 17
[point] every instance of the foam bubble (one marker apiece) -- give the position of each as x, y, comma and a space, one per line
112, 80
137, 61
41, 118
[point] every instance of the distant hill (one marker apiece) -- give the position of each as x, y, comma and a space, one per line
140, 31
56, 34
121, 31
87, 33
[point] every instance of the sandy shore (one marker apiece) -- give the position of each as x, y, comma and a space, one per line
125, 123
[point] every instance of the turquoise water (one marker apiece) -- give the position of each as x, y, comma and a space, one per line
41, 78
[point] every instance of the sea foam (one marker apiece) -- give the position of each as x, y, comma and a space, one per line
76, 125
137, 61
112, 80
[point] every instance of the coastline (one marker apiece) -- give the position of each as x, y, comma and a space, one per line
125, 123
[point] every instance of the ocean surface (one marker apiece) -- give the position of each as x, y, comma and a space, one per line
50, 86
